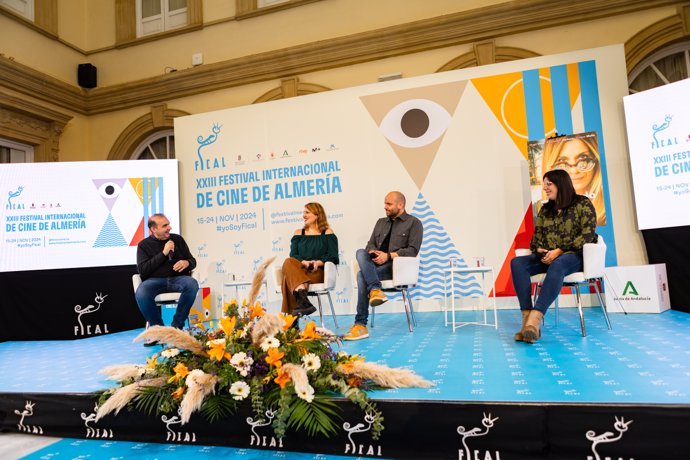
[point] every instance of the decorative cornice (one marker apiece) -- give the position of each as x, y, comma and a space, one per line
26, 80
458, 28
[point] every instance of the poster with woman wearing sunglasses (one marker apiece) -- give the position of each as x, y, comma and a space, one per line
578, 154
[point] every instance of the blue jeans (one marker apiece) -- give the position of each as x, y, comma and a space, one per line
150, 288
368, 278
521, 268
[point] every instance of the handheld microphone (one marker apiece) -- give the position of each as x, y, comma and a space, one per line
170, 254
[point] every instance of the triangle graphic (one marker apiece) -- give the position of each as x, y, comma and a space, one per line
138, 235
110, 235
414, 122
109, 190
435, 255
138, 186
523, 236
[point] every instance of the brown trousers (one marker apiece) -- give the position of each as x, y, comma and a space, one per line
295, 274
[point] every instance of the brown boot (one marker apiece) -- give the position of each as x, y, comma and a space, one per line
532, 330
518, 335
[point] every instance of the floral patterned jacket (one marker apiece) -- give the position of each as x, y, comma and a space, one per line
569, 230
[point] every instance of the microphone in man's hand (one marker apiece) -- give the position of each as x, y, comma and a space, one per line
170, 254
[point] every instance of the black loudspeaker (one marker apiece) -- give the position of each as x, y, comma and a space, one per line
86, 75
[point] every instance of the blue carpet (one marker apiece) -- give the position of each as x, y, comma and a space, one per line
82, 449
644, 359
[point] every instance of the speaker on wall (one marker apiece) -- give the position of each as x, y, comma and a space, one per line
86, 75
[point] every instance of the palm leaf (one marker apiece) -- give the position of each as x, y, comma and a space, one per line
154, 400
317, 417
218, 406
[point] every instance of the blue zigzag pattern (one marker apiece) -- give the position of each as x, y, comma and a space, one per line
435, 254
110, 235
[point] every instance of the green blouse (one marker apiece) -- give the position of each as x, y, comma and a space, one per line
569, 230
315, 247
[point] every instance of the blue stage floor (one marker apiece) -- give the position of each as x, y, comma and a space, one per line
644, 359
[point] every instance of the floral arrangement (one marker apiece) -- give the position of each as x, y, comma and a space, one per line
252, 356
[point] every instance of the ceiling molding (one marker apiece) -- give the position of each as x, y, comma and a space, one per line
458, 28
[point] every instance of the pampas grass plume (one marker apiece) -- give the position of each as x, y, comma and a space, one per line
385, 376
173, 337
124, 395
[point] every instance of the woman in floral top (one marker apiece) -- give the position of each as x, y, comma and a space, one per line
564, 224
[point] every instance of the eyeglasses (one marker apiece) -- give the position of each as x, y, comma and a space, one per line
583, 164
547, 183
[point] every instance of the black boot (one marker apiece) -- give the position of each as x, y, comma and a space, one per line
304, 306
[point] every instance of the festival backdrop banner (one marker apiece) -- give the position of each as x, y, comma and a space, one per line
455, 143
81, 214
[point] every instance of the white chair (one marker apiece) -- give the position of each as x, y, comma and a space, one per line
405, 276
161, 299
594, 258
330, 275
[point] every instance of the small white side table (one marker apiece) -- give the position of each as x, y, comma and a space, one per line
240, 284
451, 273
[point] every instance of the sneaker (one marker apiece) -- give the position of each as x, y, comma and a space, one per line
150, 343
377, 297
357, 332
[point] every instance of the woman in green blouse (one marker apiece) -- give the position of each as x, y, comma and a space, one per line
310, 248
564, 224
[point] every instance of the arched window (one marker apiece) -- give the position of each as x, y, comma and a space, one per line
158, 146
667, 65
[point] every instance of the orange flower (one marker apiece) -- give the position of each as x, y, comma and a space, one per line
309, 332
282, 379
288, 320
152, 361
347, 367
354, 382
257, 310
181, 372
177, 394
274, 356
217, 350
228, 325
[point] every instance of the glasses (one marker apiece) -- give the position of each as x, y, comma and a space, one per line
583, 165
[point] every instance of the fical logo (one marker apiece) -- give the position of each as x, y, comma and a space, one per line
660, 141
27, 412
12, 195
89, 329
465, 453
621, 426
92, 432
202, 163
354, 448
257, 440
177, 436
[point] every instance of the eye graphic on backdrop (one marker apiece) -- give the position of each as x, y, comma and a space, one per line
415, 123
109, 189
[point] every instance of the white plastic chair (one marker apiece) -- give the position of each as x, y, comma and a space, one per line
330, 275
405, 276
594, 258
161, 299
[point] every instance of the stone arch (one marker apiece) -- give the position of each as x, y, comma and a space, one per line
290, 87
160, 118
487, 52
656, 36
